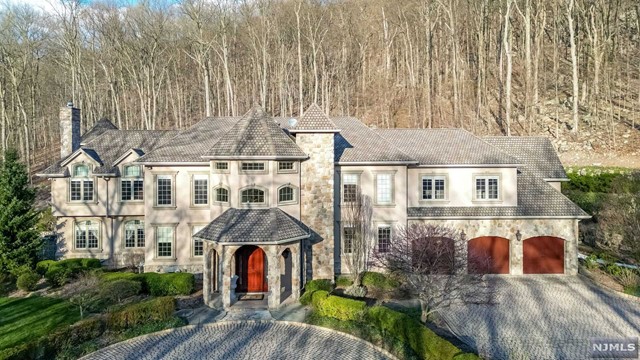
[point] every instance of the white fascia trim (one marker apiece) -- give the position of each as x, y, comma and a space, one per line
260, 242
125, 155
105, 175
492, 217
170, 163
556, 179
75, 155
470, 166
255, 157
315, 131
50, 175
355, 163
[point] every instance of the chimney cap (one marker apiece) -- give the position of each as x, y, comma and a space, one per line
69, 104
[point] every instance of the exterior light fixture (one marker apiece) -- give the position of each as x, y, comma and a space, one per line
463, 235
518, 235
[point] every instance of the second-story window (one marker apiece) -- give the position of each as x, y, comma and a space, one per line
81, 185
384, 188
134, 234
164, 190
349, 187
222, 194
252, 166
252, 196
286, 167
132, 184
222, 166
200, 189
433, 188
286, 194
487, 188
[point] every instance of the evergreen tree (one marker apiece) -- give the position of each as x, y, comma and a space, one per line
19, 240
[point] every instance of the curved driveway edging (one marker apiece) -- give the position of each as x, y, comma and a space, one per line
241, 340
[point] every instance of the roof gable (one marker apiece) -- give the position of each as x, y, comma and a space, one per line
314, 120
255, 135
99, 128
90, 153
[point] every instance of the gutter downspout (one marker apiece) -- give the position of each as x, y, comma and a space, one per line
111, 237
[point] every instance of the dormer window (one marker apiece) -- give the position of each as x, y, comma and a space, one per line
81, 185
487, 188
132, 184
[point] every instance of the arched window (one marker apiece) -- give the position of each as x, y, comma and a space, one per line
132, 184
134, 234
252, 196
222, 194
286, 194
81, 185
87, 234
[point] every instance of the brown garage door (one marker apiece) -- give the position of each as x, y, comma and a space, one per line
488, 255
543, 255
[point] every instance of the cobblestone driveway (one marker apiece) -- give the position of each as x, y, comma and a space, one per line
544, 317
243, 340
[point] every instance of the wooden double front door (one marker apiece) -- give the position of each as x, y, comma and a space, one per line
251, 268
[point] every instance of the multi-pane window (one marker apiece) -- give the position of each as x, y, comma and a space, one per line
87, 235
164, 190
222, 195
134, 234
252, 195
252, 166
286, 194
286, 166
81, 185
132, 184
348, 233
222, 166
384, 238
164, 241
487, 188
200, 189
198, 245
349, 187
384, 188
433, 188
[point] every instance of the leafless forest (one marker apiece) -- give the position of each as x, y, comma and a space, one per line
564, 68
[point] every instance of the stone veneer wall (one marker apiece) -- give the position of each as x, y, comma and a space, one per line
316, 201
69, 130
566, 229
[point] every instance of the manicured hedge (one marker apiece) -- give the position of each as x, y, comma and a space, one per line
43, 266
313, 286
158, 284
158, 309
378, 280
422, 340
338, 307
58, 273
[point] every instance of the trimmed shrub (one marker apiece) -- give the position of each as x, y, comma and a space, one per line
306, 298
117, 290
60, 272
343, 281
57, 275
43, 266
90, 263
28, 281
19, 352
318, 297
158, 309
320, 284
73, 335
170, 284
378, 280
422, 340
338, 307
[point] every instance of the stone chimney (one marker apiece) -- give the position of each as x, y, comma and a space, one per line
69, 130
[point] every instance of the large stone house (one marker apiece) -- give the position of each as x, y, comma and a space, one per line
254, 202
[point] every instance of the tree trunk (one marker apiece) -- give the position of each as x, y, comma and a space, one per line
574, 64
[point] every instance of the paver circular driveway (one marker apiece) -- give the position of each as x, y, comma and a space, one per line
544, 317
243, 340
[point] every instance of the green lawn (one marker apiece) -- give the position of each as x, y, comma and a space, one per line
26, 319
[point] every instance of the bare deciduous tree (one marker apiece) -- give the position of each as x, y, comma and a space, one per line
432, 262
357, 236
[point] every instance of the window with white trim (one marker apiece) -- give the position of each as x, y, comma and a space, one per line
132, 184
222, 166
433, 188
164, 241
252, 196
134, 234
348, 233
286, 166
200, 189
350, 187
80, 184
87, 235
286, 194
222, 194
487, 188
164, 190
384, 238
198, 244
252, 166
384, 188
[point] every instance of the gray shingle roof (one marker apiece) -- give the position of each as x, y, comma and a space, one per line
314, 119
536, 152
98, 129
446, 146
253, 226
535, 198
356, 142
256, 134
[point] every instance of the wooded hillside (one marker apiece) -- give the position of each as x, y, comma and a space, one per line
568, 69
